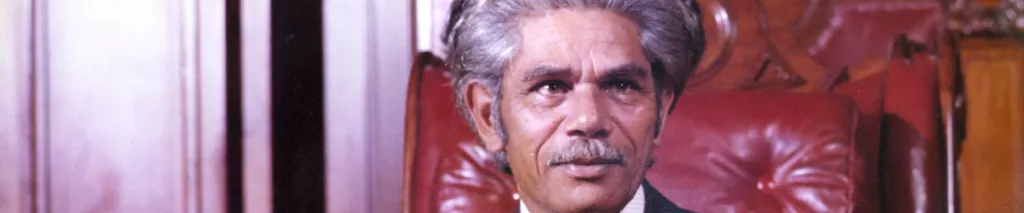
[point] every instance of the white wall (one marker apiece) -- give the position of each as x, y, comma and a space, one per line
430, 19
368, 52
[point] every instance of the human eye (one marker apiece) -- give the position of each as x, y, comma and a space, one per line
622, 86
550, 88
623, 90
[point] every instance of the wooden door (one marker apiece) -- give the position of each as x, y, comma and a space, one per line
15, 89
112, 106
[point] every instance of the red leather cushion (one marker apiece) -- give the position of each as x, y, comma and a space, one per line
760, 152
449, 170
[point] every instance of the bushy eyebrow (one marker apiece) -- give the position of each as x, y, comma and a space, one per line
546, 72
625, 71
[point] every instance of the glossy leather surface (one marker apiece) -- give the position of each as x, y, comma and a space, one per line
913, 175
449, 170
867, 94
760, 152
896, 104
859, 31
721, 152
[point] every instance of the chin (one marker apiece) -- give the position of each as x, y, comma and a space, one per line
593, 197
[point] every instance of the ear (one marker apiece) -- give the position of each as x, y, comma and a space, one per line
479, 99
666, 104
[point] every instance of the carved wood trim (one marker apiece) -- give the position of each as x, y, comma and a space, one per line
736, 48
720, 39
778, 44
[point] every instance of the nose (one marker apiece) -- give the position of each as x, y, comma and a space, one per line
588, 116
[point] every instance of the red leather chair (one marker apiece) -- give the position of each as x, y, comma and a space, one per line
446, 168
895, 94
845, 47
723, 152
761, 152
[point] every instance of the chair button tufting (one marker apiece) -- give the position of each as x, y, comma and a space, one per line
765, 184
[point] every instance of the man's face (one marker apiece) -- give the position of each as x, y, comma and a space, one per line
579, 106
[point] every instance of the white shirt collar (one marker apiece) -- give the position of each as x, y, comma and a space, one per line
635, 205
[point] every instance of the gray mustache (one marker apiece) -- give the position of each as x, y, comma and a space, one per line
582, 149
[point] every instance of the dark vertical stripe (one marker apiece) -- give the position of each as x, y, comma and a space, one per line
235, 192
297, 104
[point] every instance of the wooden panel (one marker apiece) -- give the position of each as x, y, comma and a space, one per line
393, 43
210, 120
15, 87
368, 45
347, 77
115, 102
131, 114
256, 105
991, 175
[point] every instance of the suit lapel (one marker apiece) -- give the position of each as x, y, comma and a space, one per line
654, 202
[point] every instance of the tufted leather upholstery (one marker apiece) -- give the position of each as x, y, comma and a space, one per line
897, 130
728, 152
760, 152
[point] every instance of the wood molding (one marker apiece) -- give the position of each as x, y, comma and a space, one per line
126, 124
348, 81
802, 45
992, 158
118, 111
39, 107
390, 42
96, 116
256, 106
211, 117
16, 175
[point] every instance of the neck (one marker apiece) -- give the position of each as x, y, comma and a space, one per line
634, 204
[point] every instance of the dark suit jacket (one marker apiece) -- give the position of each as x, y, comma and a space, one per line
654, 202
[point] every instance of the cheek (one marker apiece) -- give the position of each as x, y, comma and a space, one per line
638, 121
528, 127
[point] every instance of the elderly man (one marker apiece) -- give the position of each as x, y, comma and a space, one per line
572, 93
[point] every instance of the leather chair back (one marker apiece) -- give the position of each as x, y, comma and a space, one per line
760, 152
722, 152
446, 167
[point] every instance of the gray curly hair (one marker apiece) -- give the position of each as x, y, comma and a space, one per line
483, 35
